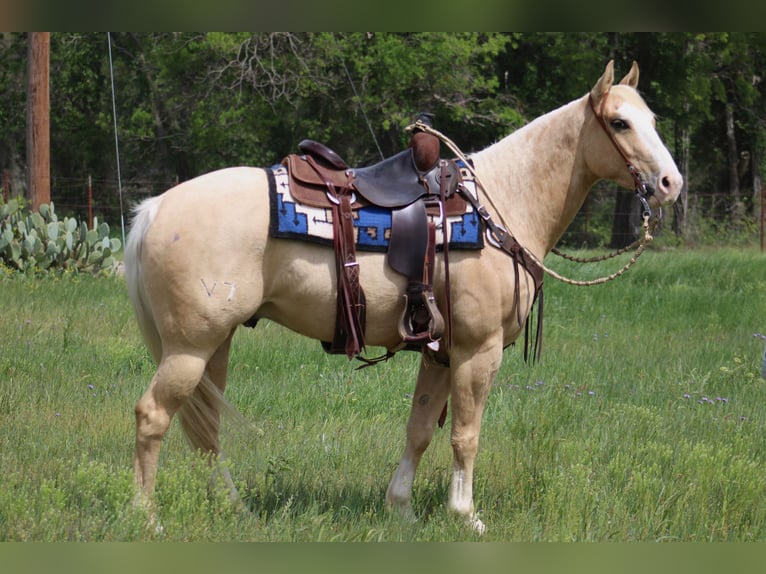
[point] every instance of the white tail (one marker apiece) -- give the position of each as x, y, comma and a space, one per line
142, 219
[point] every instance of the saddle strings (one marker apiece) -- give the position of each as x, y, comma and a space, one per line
640, 244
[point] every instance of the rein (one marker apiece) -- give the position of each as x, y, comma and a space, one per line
498, 235
642, 192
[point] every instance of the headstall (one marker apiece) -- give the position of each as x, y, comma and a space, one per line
643, 192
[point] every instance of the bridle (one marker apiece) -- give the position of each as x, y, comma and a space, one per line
643, 192
499, 236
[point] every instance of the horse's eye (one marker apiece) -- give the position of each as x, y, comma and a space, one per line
619, 125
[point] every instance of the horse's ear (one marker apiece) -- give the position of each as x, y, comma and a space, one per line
604, 83
631, 78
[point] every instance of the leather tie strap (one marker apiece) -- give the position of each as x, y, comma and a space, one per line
505, 241
351, 303
351, 309
445, 242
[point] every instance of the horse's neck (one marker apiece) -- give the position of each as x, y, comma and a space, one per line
536, 178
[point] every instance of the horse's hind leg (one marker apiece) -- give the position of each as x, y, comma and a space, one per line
178, 374
201, 414
430, 396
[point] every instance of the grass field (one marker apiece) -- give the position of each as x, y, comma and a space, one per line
644, 421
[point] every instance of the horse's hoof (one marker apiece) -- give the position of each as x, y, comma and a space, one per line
477, 525
156, 525
403, 511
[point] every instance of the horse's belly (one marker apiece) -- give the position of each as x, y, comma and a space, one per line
301, 292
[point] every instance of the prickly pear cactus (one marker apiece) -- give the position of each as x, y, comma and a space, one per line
40, 241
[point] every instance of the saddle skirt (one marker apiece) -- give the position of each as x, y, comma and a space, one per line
301, 210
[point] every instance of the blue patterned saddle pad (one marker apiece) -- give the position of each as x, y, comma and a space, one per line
372, 224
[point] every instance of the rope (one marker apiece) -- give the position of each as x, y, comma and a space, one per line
611, 255
460, 155
597, 258
639, 245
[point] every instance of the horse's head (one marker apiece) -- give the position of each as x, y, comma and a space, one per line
624, 145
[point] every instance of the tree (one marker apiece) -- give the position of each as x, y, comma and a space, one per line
188, 103
724, 115
13, 95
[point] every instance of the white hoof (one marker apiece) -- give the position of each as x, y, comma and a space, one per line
477, 525
155, 524
145, 504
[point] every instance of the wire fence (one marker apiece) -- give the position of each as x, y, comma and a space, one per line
708, 217
88, 198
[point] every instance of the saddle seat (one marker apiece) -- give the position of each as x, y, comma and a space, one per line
393, 182
319, 177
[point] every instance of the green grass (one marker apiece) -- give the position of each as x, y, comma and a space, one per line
644, 421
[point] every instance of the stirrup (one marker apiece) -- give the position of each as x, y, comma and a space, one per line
421, 321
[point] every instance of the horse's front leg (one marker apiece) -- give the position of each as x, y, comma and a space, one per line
472, 379
430, 396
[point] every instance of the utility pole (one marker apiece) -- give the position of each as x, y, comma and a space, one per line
38, 119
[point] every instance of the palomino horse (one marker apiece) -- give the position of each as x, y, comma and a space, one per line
214, 230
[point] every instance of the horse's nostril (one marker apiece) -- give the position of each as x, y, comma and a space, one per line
665, 183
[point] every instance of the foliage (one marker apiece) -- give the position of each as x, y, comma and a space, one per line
188, 102
40, 241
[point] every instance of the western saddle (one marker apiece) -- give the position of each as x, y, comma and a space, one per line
419, 189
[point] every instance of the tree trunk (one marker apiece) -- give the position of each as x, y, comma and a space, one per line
681, 206
623, 230
38, 120
737, 208
755, 166
733, 156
